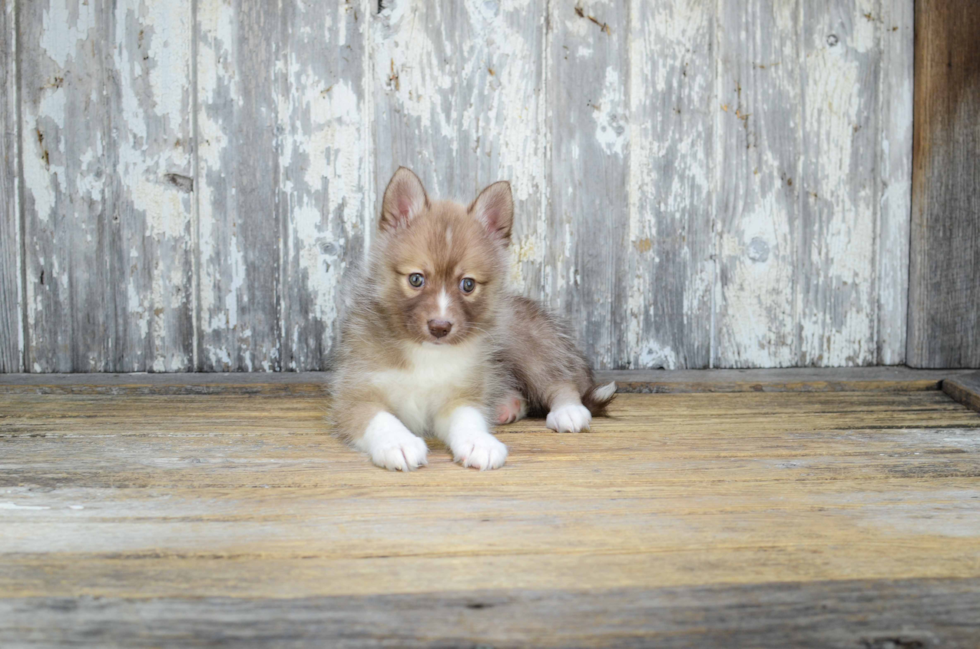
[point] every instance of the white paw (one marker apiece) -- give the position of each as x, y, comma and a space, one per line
391, 445
472, 445
569, 418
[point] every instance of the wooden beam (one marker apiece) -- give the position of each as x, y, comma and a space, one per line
851, 613
965, 389
880, 379
944, 268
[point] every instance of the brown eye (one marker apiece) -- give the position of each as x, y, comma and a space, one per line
467, 284
416, 280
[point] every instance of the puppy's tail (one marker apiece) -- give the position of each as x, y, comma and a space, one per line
598, 397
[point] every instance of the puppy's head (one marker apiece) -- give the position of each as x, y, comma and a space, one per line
441, 264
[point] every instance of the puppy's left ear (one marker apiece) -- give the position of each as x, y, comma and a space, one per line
494, 208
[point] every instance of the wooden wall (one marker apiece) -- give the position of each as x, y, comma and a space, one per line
185, 183
944, 313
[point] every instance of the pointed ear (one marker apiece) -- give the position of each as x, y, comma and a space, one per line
494, 208
404, 199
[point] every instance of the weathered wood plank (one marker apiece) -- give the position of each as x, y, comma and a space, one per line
894, 190
459, 98
237, 182
415, 102
325, 157
965, 389
757, 175
851, 613
671, 162
944, 293
11, 244
502, 129
588, 226
864, 379
225, 496
150, 177
64, 53
837, 296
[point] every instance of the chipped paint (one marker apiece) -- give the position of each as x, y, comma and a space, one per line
605, 119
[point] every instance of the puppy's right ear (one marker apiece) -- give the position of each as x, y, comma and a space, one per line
405, 198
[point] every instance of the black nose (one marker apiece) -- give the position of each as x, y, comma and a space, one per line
440, 328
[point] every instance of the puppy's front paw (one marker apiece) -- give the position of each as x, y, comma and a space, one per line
569, 418
391, 445
478, 449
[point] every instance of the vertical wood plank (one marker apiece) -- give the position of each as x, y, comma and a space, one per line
459, 97
502, 132
415, 70
11, 244
837, 266
895, 176
588, 226
760, 148
151, 181
672, 114
238, 175
944, 292
62, 54
324, 160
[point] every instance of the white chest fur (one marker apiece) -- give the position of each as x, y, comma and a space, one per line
415, 393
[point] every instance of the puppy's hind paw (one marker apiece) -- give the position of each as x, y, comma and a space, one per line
569, 418
511, 409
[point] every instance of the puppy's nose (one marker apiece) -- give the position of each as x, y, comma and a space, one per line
440, 328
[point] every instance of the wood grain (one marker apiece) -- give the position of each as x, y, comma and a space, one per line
150, 169
896, 41
238, 175
671, 164
944, 294
459, 97
965, 389
589, 104
837, 304
855, 379
64, 55
697, 184
847, 613
758, 212
676, 516
324, 200
11, 308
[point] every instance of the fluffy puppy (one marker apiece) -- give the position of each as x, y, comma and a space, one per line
434, 344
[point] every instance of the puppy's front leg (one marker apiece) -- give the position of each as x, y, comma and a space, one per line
464, 430
389, 443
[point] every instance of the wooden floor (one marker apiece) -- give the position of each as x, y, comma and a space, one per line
768, 519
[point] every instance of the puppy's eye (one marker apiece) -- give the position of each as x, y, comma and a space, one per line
416, 280
467, 284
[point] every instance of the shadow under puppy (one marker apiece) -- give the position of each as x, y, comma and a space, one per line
434, 343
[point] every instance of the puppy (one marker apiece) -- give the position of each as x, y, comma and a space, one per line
433, 342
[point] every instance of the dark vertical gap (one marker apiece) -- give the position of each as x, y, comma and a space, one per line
909, 360
21, 206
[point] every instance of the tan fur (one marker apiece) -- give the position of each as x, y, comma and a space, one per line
498, 342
